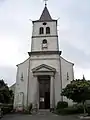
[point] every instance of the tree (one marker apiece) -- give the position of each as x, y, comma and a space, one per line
83, 77
5, 94
11, 96
78, 91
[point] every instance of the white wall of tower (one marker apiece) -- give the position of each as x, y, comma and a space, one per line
51, 44
37, 25
52, 38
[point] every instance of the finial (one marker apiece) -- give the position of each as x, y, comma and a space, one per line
45, 2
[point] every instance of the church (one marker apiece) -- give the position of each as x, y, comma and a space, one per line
41, 78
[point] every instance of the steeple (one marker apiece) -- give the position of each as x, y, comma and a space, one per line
44, 34
45, 15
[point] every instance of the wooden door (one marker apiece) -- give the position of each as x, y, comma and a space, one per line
44, 93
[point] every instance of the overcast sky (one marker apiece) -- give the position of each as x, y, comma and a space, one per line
16, 31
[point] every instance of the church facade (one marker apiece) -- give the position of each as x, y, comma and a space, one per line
42, 76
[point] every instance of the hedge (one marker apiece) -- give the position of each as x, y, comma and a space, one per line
61, 105
70, 110
6, 108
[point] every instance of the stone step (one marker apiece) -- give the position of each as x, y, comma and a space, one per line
44, 112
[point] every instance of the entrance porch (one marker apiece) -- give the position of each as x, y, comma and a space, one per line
44, 92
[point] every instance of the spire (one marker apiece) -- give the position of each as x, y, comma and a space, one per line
45, 15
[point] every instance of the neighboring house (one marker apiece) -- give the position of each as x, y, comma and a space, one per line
42, 76
12, 87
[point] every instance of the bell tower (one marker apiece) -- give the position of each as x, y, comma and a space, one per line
44, 35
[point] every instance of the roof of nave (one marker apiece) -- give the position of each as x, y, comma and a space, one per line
22, 62
67, 60
60, 57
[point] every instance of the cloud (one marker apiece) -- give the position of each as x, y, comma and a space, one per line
16, 31
8, 74
2, 2
79, 57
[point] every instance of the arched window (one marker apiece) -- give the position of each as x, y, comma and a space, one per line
41, 30
67, 76
44, 43
22, 77
47, 30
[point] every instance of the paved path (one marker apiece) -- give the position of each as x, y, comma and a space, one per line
47, 116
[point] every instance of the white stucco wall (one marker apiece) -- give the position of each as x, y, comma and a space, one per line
50, 60
51, 44
52, 39
66, 67
21, 86
37, 25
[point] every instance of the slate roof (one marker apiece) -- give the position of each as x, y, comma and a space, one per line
45, 15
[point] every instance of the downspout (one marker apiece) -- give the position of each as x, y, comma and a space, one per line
60, 77
15, 93
73, 71
29, 70
28, 80
60, 67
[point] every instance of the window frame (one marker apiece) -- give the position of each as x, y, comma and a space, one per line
22, 78
67, 76
47, 30
44, 41
44, 44
41, 30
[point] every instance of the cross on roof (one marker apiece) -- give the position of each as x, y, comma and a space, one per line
45, 2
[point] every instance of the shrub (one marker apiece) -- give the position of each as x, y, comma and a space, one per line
61, 105
26, 111
78, 105
70, 110
30, 107
6, 108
